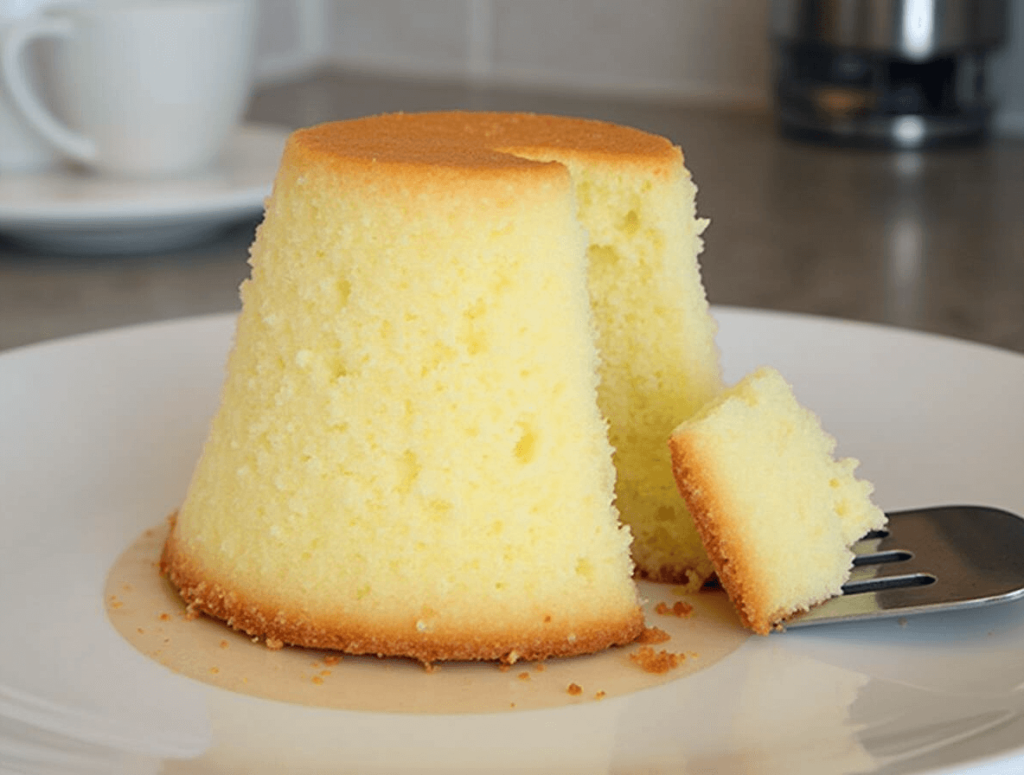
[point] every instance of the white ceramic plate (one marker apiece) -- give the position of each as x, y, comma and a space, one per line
98, 435
77, 212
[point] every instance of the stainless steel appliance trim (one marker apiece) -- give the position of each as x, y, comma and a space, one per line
913, 29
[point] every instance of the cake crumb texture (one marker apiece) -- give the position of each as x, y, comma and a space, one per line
656, 339
776, 511
651, 661
680, 608
653, 635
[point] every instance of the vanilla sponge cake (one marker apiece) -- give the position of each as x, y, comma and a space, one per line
776, 511
409, 457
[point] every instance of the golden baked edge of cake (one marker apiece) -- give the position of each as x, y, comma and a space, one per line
278, 628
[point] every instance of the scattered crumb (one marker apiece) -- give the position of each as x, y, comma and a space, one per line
165, 617
224, 644
127, 587
680, 608
652, 661
653, 635
140, 631
332, 659
504, 667
214, 670
318, 679
540, 667
115, 603
599, 696
325, 673
524, 676
575, 689
430, 667
274, 644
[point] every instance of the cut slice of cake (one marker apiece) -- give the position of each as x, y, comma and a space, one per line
776, 511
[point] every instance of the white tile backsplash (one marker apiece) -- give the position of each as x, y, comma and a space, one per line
289, 38
714, 50
692, 48
689, 48
414, 37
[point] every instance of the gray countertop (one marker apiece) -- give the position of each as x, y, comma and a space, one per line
932, 241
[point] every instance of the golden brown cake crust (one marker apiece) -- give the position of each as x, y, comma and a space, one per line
705, 505
479, 140
279, 628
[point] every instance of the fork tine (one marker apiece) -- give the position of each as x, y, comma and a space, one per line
930, 560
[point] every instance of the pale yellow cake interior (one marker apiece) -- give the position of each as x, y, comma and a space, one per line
776, 510
656, 339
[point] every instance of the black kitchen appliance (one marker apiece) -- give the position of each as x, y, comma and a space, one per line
891, 73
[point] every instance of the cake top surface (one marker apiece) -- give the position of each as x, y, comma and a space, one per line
481, 140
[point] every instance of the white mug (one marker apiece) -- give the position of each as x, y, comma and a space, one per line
21, 147
150, 87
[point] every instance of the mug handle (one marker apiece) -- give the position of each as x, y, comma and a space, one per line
12, 69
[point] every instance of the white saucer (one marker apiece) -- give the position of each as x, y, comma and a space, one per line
72, 211
84, 471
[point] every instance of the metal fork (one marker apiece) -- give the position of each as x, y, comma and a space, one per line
934, 559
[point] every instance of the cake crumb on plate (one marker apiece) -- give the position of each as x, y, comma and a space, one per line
652, 661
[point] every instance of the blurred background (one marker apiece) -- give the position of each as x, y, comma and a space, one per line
680, 50
900, 233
